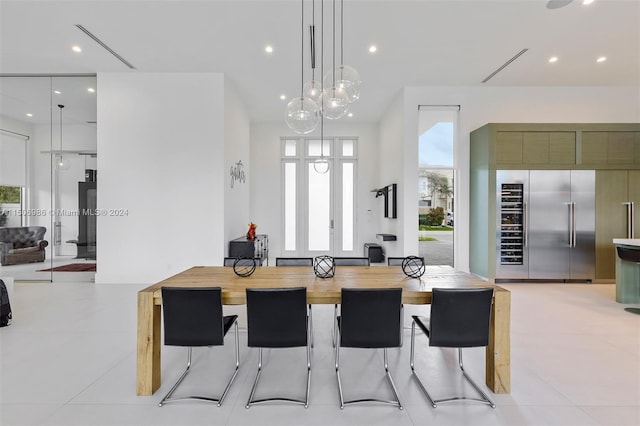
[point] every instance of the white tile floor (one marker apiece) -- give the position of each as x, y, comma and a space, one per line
69, 359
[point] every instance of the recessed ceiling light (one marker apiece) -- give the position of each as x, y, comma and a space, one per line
601, 59
91, 90
29, 114
586, 2
268, 49
57, 92
553, 59
350, 114
283, 97
76, 49
373, 48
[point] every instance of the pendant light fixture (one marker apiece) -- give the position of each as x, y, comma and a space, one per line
335, 102
302, 114
347, 77
321, 165
61, 164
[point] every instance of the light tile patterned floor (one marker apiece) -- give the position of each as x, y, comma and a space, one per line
69, 359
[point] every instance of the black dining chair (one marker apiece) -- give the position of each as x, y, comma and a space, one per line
230, 261
278, 318
294, 261
460, 318
397, 261
193, 318
298, 261
351, 261
370, 318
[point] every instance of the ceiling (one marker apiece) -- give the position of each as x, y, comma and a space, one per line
420, 43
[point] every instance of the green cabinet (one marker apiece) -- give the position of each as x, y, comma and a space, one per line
614, 188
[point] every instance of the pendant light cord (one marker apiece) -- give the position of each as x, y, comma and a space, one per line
302, 49
341, 32
334, 46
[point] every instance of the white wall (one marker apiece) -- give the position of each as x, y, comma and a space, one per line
481, 105
236, 149
266, 196
392, 154
160, 145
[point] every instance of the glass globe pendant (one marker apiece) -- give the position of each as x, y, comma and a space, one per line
302, 115
313, 90
348, 79
321, 165
335, 103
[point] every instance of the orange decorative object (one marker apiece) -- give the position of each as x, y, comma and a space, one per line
251, 234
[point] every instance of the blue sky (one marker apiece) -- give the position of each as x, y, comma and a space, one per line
436, 146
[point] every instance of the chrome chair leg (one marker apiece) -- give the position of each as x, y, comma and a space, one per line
304, 402
485, 399
175, 386
413, 371
310, 324
255, 382
219, 401
235, 373
363, 400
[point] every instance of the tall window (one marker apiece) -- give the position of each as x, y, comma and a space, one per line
319, 208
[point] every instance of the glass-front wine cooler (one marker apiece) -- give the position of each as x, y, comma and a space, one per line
512, 224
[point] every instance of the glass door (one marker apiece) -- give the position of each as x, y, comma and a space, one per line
319, 187
25, 178
320, 222
48, 143
73, 158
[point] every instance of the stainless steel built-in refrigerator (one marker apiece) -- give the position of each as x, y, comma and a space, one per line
545, 224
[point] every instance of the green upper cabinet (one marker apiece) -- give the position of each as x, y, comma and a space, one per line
559, 145
535, 148
610, 148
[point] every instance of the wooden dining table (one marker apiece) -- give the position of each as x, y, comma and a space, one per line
416, 291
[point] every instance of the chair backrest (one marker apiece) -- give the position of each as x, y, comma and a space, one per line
460, 317
192, 316
370, 317
629, 255
351, 261
277, 317
397, 261
294, 261
229, 261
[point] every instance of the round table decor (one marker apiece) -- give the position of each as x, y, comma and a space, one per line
413, 266
244, 266
324, 266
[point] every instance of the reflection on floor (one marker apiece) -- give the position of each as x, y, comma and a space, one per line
69, 358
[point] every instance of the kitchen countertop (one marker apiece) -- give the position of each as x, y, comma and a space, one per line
627, 241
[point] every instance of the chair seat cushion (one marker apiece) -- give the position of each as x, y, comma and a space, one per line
24, 250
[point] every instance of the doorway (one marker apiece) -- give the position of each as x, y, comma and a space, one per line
318, 182
436, 184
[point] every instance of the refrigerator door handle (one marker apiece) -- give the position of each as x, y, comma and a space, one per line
573, 224
525, 225
630, 217
570, 213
